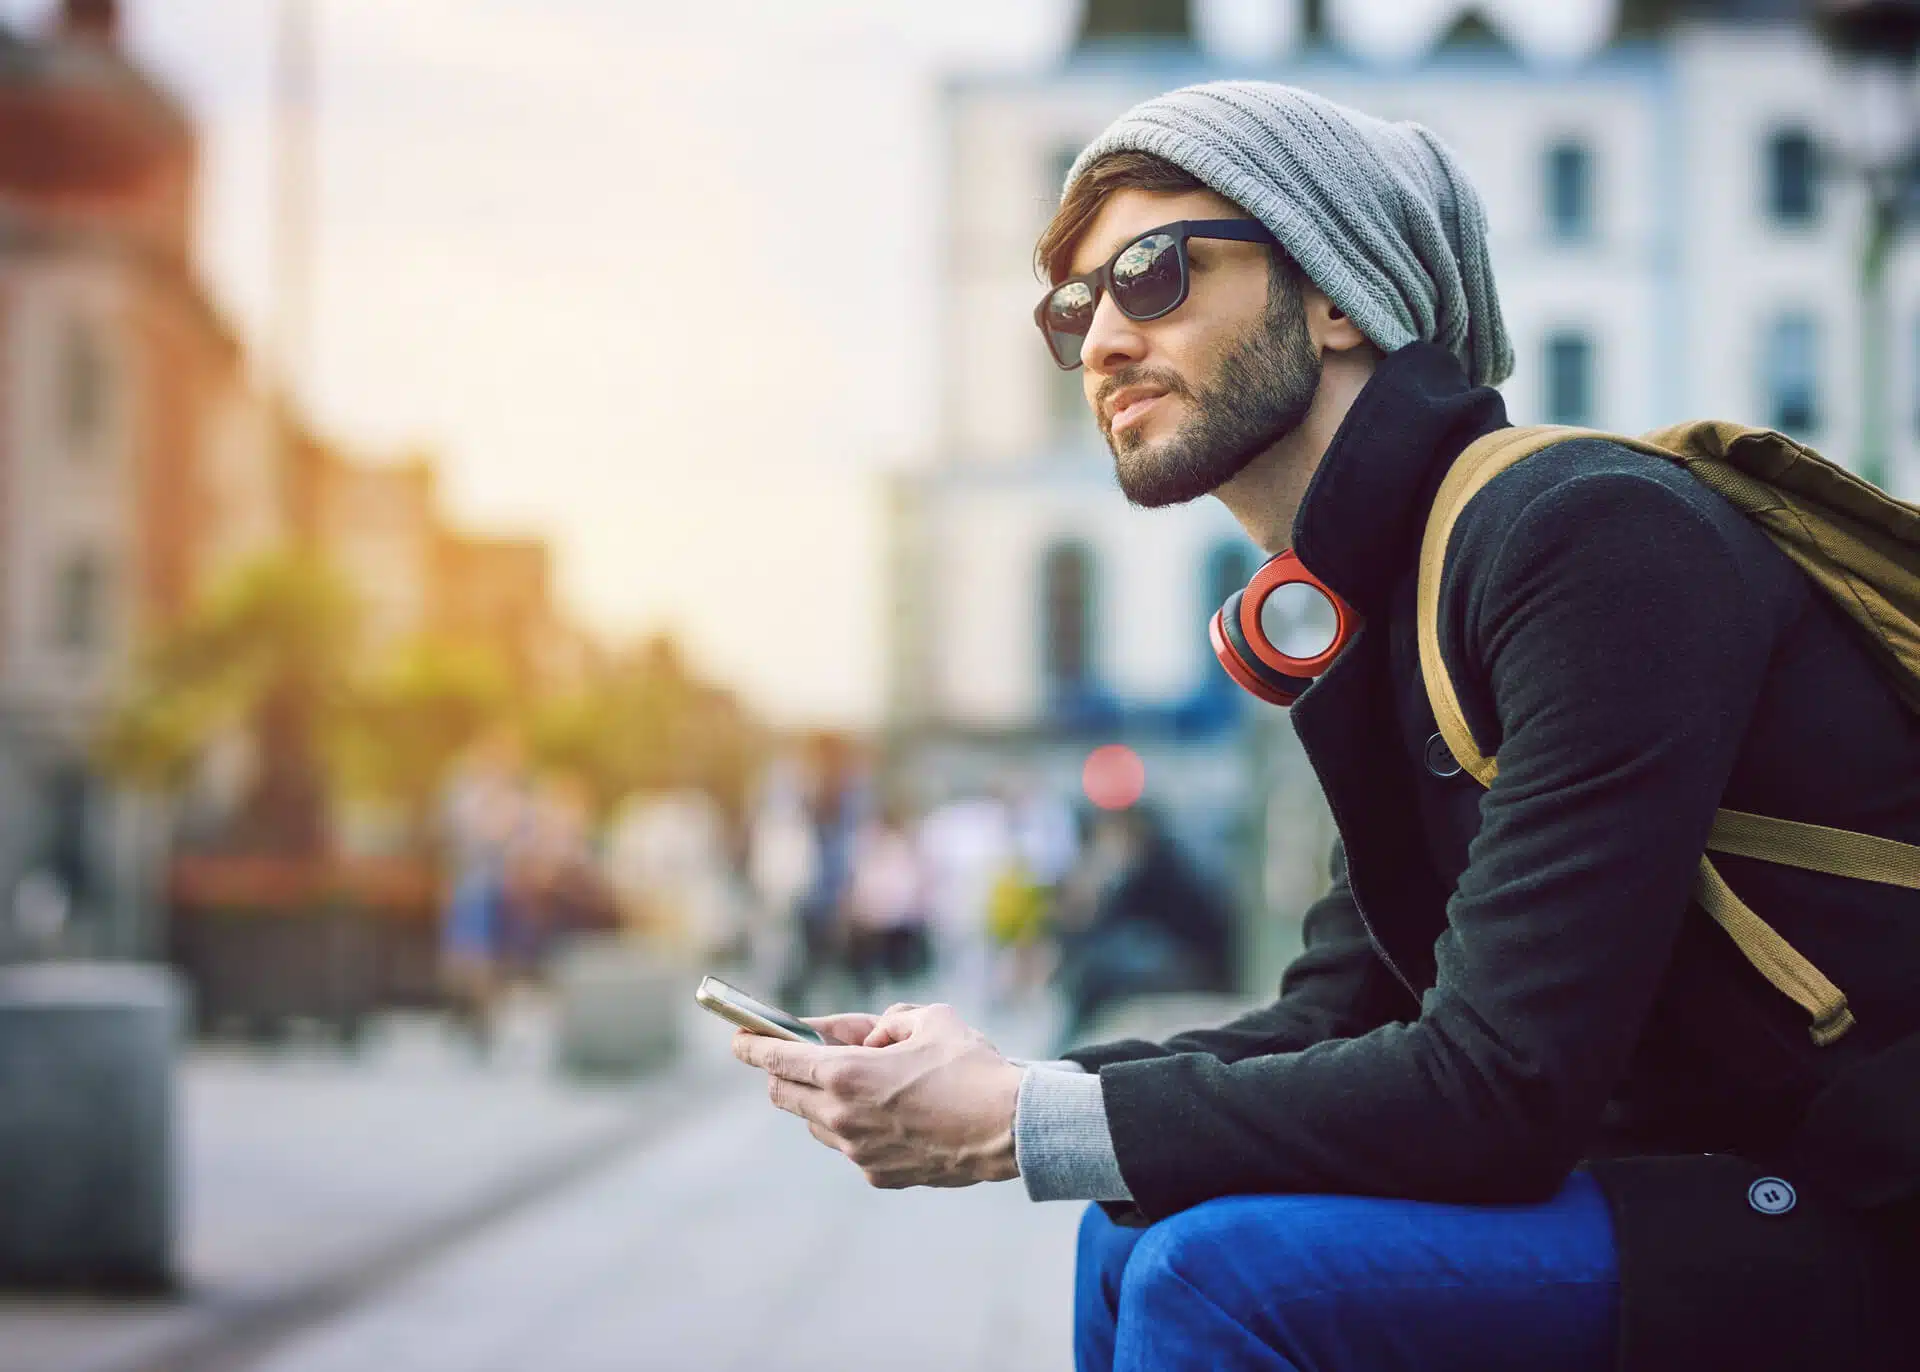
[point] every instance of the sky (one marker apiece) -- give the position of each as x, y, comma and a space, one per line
643, 275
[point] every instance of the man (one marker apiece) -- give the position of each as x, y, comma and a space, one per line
1384, 1169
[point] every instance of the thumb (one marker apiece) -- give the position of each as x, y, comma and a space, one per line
897, 1025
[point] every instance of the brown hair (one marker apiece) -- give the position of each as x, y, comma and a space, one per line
1124, 171
1117, 171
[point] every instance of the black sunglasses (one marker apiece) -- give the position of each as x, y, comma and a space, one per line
1147, 278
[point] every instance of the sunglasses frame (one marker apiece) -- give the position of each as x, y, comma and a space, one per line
1100, 279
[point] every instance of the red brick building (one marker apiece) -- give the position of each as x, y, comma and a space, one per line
498, 591
114, 368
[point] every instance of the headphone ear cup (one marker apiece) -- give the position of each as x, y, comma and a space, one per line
1277, 573
1230, 645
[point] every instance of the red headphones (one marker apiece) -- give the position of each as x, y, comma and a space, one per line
1251, 630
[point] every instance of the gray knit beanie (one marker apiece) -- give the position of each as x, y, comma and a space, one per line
1379, 216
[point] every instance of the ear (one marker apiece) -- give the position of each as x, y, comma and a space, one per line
1328, 325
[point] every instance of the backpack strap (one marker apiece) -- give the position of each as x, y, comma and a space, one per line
1773, 957
1484, 459
1835, 851
1816, 848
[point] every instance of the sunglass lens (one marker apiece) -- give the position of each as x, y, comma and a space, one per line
1069, 316
1147, 276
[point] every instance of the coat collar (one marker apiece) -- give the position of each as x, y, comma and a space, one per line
1360, 524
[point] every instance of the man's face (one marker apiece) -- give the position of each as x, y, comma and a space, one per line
1187, 400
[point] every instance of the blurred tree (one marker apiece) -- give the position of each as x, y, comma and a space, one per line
273, 652
267, 651
403, 725
647, 725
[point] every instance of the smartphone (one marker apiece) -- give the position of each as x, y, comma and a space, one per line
737, 1007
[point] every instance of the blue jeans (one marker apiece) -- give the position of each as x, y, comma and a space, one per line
1352, 1284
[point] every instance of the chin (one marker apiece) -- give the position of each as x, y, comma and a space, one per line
1173, 471
1148, 480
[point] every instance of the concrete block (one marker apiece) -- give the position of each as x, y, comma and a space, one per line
87, 1175
619, 1007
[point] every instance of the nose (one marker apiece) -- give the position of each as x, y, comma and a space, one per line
1114, 341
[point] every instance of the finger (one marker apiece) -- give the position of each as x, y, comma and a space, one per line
781, 1057
827, 1136
850, 1029
898, 1025
808, 1102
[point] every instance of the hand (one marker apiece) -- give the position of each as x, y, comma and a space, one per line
853, 1029
931, 1104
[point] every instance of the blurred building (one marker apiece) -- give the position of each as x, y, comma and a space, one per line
498, 590
379, 527
378, 522
142, 463
111, 363
1666, 246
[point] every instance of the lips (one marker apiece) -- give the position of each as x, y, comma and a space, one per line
1132, 408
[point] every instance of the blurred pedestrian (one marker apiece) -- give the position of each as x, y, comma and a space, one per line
834, 805
886, 906
483, 812
783, 863
1043, 845
1138, 917
554, 883
965, 845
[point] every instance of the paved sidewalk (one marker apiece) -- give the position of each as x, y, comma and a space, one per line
732, 1243
310, 1177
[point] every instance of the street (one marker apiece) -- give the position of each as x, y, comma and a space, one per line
735, 1244
732, 1242
409, 1208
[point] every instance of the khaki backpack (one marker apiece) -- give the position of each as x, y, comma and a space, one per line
1859, 544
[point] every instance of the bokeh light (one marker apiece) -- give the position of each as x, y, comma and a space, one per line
1114, 777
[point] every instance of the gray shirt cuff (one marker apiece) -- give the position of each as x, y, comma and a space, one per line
1050, 1065
1060, 1138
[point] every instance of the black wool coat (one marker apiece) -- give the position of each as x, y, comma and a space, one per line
1502, 985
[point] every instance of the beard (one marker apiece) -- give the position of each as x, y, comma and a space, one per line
1263, 391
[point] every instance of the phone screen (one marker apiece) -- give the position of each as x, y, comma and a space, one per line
717, 996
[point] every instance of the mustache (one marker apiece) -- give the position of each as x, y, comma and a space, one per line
1167, 380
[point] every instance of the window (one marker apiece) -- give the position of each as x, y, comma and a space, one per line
1569, 188
1569, 397
1059, 163
78, 591
1229, 569
1068, 414
1066, 609
83, 387
1792, 177
1792, 373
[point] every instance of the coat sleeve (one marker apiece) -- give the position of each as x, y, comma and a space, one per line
1337, 988
1607, 623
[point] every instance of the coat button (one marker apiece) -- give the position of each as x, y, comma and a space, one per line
1771, 1196
1440, 759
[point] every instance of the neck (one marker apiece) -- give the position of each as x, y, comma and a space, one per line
1266, 493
